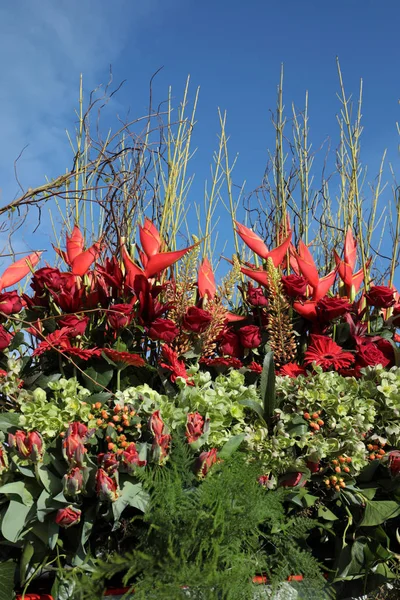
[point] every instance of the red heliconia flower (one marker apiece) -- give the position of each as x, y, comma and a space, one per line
308, 268
292, 370
128, 358
255, 243
307, 309
106, 486
164, 330
76, 256
18, 270
149, 238
176, 366
5, 338
66, 517
130, 459
194, 427
112, 275
346, 267
326, 354
28, 445
156, 424
10, 303
394, 462
73, 482
206, 280
196, 319
205, 461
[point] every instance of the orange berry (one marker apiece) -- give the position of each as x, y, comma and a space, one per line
124, 444
381, 452
122, 437
376, 447
335, 462
119, 428
111, 446
125, 409
315, 416
90, 416
348, 459
62, 434
116, 418
98, 405
119, 451
125, 423
372, 456
93, 406
342, 459
327, 482
311, 433
342, 484
337, 488
104, 414
108, 438
333, 479
370, 447
321, 422
337, 469
346, 469
99, 422
111, 424
316, 427
132, 413
306, 415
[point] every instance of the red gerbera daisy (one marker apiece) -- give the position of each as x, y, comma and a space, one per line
125, 357
292, 370
326, 353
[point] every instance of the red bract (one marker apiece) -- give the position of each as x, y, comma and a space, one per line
176, 366
326, 354
292, 370
66, 517
255, 296
10, 303
127, 358
255, 243
28, 445
294, 285
206, 280
106, 486
18, 270
76, 256
351, 280
307, 309
149, 238
196, 319
380, 296
250, 336
119, 316
130, 459
307, 266
164, 330
194, 427
73, 482
205, 461
5, 338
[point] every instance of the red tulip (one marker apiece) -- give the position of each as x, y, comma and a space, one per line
28, 445
73, 482
394, 462
194, 427
205, 461
66, 517
156, 424
292, 480
3, 460
18, 270
130, 459
106, 486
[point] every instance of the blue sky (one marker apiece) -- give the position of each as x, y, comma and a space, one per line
232, 49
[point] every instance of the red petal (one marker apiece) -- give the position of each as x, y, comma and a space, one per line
75, 244
293, 260
306, 310
19, 270
323, 285
345, 271
161, 261
307, 265
350, 249
131, 268
278, 253
252, 240
232, 318
82, 262
149, 238
206, 280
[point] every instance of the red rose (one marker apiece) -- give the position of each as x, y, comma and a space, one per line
205, 461
75, 325
119, 316
255, 296
394, 462
368, 354
106, 487
163, 329
5, 338
194, 427
387, 350
294, 285
73, 482
230, 343
46, 278
250, 336
10, 303
68, 516
332, 308
196, 319
380, 296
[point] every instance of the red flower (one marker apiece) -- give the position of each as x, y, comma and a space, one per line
380, 296
222, 361
82, 353
5, 338
394, 462
73, 443
229, 343
176, 366
308, 268
10, 303
75, 325
205, 461
250, 336
292, 479
66, 517
160, 447
326, 353
106, 487
119, 316
156, 424
108, 462
292, 370
313, 466
127, 358
332, 308
368, 354
194, 427
255, 296
196, 319
255, 243
163, 329
18, 270
130, 459
76, 256
206, 280
73, 482
28, 445
294, 285
112, 275
255, 367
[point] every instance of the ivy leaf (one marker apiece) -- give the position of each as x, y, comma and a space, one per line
7, 572
325, 513
379, 511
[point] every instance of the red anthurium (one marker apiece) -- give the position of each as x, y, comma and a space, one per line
76, 257
18, 270
149, 238
255, 243
206, 280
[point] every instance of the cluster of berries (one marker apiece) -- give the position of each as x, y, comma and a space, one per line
315, 421
119, 419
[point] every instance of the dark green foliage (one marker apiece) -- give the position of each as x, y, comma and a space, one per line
213, 535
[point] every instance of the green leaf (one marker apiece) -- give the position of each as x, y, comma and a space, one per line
256, 406
51, 482
7, 572
377, 512
8, 420
17, 488
14, 520
100, 376
17, 340
27, 554
267, 386
231, 445
132, 494
99, 397
325, 513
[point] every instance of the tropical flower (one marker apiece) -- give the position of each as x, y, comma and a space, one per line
205, 461
194, 427
292, 370
326, 354
76, 256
